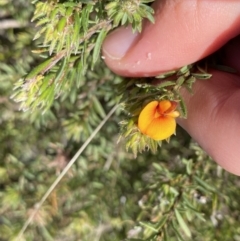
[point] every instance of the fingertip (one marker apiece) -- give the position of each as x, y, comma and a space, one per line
183, 33
118, 43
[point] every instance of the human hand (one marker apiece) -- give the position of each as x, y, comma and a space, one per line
185, 32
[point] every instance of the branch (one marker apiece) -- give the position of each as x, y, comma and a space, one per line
11, 23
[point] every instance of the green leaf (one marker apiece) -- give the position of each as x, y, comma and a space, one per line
200, 216
180, 80
189, 82
165, 75
98, 107
165, 84
158, 167
162, 222
189, 165
183, 107
147, 1
98, 45
45, 83
85, 16
184, 70
118, 17
61, 24
76, 31
153, 145
166, 236
124, 18
182, 223
53, 45
42, 21
204, 184
175, 229
149, 226
41, 67
202, 76
134, 239
60, 73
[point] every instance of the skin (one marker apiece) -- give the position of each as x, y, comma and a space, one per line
185, 32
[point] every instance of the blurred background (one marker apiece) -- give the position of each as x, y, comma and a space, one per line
177, 194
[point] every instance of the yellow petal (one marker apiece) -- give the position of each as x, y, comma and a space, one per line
174, 114
161, 128
147, 115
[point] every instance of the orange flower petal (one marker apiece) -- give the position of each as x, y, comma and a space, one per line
147, 115
161, 128
172, 108
164, 106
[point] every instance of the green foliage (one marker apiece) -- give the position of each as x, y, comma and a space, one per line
176, 194
125, 12
71, 35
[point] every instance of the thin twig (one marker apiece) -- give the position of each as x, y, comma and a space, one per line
55, 183
11, 23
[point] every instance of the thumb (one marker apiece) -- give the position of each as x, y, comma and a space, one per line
184, 32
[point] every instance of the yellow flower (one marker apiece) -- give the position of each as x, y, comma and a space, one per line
157, 119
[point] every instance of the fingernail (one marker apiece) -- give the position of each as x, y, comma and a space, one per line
119, 42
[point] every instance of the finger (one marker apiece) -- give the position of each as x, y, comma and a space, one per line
214, 118
184, 32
